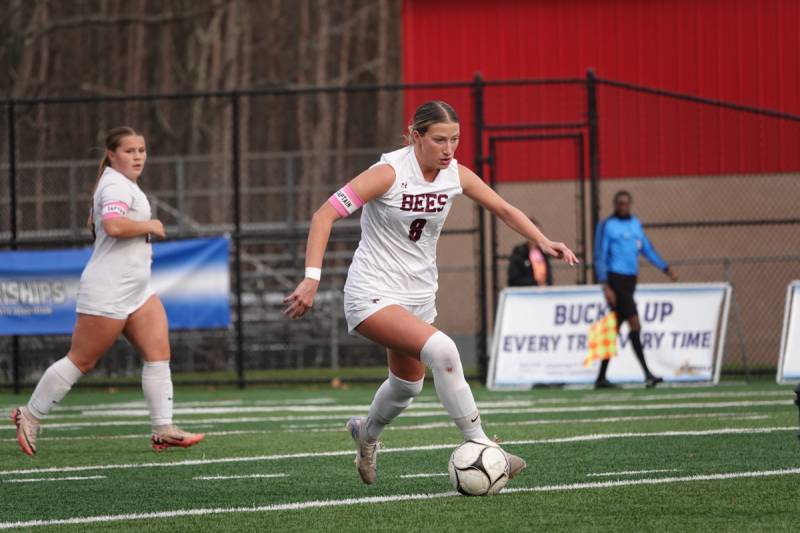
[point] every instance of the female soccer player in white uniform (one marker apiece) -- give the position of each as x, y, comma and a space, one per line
391, 285
114, 297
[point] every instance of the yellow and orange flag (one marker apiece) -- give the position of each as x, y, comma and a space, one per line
602, 340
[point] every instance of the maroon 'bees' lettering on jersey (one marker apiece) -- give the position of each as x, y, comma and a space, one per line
424, 203
396, 256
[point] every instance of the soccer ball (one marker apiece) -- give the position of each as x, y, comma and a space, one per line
478, 469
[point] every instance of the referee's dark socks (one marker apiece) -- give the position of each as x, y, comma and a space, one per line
636, 342
603, 369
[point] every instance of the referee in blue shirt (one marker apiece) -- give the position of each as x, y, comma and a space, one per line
619, 241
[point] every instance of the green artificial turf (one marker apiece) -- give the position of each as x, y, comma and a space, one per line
652, 439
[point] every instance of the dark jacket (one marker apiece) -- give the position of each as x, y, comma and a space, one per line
520, 273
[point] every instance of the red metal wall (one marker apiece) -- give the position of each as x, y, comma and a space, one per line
744, 51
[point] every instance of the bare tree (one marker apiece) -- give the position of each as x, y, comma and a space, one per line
116, 47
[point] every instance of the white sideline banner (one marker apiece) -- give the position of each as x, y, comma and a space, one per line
541, 334
789, 366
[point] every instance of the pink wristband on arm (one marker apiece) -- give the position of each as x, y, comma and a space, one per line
346, 201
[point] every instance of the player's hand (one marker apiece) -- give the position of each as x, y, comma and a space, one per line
559, 250
157, 228
302, 299
672, 275
611, 298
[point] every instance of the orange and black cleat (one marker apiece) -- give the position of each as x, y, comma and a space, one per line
27, 429
173, 436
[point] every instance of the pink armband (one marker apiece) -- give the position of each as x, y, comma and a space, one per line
346, 201
114, 210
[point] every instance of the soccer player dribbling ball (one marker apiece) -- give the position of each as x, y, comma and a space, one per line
115, 297
390, 292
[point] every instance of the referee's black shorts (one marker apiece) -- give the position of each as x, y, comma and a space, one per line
623, 287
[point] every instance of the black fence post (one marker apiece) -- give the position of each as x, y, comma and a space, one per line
584, 253
594, 155
797, 402
481, 341
492, 161
12, 191
237, 236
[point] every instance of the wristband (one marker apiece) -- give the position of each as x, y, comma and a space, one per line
313, 273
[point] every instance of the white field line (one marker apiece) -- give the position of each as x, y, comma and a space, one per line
611, 396
146, 435
134, 404
180, 410
338, 453
33, 480
626, 397
99, 409
140, 404
631, 472
538, 422
485, 407
249, 476
438, 412
422, 401
318, 504
433, 425
432, 474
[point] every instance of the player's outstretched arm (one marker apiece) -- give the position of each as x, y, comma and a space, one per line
366, 186
477, 190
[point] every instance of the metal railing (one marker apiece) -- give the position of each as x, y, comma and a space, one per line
267, 252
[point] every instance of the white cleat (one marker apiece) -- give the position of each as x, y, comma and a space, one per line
515, 465
366, 451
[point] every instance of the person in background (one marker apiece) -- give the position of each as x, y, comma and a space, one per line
528, 265
115, 298
619, 240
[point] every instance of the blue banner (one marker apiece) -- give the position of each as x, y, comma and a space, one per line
38, 288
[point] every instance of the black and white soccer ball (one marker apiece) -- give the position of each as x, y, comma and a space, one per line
478, 469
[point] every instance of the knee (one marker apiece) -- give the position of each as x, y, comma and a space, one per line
84, 364
409, 389
440, 353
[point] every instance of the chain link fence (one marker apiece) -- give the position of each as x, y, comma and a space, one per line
255, 165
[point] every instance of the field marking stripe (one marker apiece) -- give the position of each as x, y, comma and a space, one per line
248, 476
655, 481
631, 472
485, 407
440, 412
540, 421
427, 447
317, 504
615, 396
433, 425
32, 480
432, 474
141, 404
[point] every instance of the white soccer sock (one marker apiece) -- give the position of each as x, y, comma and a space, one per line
54, 384
157, 388
441, 355
393, 396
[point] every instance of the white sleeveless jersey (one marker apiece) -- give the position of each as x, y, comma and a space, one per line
396, 256
116, 278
